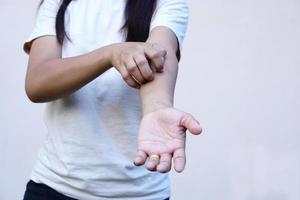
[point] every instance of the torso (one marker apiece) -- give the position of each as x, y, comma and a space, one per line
91, 141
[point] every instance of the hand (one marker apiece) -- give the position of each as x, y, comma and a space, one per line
137, 61
163, 132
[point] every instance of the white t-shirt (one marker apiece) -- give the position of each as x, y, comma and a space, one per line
91, 140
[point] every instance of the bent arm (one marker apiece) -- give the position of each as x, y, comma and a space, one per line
50, 77
159, 93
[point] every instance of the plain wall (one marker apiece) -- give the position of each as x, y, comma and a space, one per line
239, 76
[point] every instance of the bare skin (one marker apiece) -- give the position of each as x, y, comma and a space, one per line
49, 76
150, 67
163, 132
163, 128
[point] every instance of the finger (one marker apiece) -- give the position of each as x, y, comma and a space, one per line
165, 163
144, 67
179, 159
156, 57
134, 70
140, 158
189, 122
128, 78
158, 47
152, 162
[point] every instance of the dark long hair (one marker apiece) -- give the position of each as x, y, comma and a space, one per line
138, 14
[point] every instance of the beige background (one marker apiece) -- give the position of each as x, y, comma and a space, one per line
239, 76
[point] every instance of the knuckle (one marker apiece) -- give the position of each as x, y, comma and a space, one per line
131, 84
138, 46
160, 50
126, 76
124, 56
147, 45
163, 51
155, 55
148, 75
142, 62
141, 80
131, 68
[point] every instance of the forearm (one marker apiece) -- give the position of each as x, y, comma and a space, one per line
159, 93
55, 78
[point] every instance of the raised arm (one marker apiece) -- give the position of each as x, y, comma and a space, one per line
162, 129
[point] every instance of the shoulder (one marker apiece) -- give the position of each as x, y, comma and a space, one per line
180, 4
172, 9
45, 3
49, 7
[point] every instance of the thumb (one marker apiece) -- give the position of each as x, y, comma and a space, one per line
189, 122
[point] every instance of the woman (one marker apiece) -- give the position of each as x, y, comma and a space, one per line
107, 71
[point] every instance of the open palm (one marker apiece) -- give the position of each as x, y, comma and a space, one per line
163, 133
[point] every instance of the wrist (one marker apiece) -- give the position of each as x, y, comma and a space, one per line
154, 106
113, 53
109, 54
102, 58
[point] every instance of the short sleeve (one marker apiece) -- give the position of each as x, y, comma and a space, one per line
174, 15
44, 22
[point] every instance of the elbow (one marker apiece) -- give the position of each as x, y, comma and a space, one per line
34, 99
34, 92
